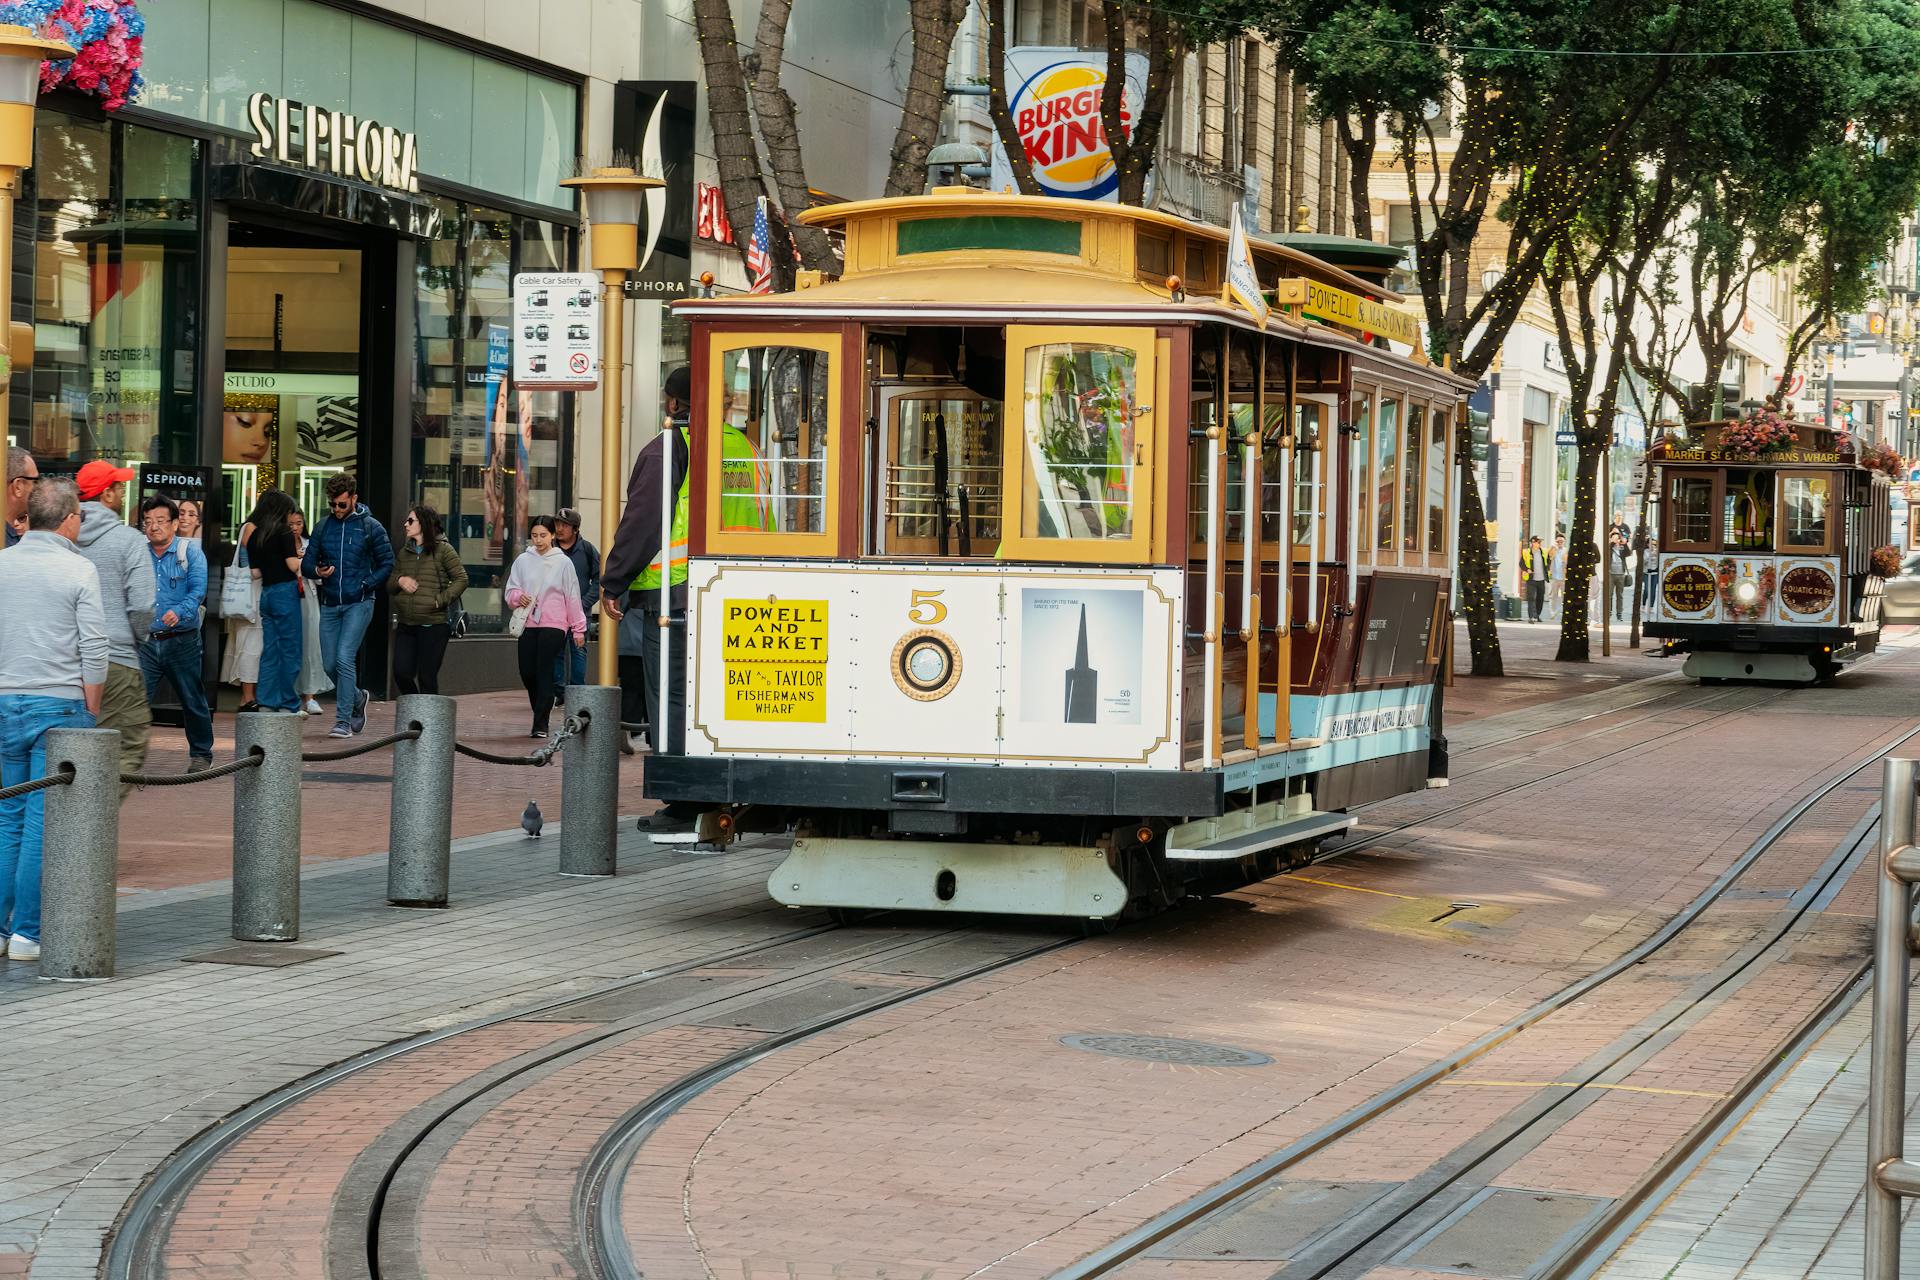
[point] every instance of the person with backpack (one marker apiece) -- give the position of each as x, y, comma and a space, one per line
427, 578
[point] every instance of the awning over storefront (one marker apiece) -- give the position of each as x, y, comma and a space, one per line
315, 195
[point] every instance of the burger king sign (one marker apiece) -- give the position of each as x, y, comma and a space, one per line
1054, 95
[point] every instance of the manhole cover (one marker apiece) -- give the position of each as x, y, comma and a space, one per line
1190, 1053
270, 956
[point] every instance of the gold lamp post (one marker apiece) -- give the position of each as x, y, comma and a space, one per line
21, 53
613, 228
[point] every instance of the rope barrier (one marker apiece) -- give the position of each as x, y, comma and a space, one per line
362, 748
537, 759
252, 760
61, 779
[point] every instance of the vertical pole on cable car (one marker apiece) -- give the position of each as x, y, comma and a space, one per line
1250, 552
663, 715
1216, 568
1356, 446
1283, 580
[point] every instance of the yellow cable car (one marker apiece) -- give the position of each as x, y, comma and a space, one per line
1028, 574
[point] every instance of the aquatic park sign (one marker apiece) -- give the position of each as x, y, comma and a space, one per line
1348, 310
333, 142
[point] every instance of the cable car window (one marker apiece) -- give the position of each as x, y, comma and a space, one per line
1806, 506
1747, 510
772, 445
943, 476
1080, 406
1309, 441
1386, 468
1690, 510
1437, 478
1410, 478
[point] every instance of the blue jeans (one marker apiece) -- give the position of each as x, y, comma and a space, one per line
177, 658
24, 721
281, 647
572, 659
342, 628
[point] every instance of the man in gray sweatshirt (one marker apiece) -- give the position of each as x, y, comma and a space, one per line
119, 552
53, 670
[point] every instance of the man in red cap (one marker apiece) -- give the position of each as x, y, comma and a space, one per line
119, 552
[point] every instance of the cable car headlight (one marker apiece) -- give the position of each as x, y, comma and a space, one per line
926, 664
1746, 593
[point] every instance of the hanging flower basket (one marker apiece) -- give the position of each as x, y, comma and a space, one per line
1886, 562
106, 37
1758, 434
1884, 458
1740, 603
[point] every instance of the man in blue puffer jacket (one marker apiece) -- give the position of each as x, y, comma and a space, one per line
350, 557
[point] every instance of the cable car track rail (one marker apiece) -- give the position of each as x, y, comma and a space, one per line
1257, 1176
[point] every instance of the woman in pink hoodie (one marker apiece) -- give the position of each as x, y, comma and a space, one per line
544, 585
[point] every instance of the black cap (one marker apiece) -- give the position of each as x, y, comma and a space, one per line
679, 382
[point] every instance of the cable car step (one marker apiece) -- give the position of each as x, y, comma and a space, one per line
1234, 836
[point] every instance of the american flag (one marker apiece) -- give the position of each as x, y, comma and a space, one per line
760, 250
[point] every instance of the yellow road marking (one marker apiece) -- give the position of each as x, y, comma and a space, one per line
1575, 1084
1335, 884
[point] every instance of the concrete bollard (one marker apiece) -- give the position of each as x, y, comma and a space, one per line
590, 784
266, 829
80, 862
420, 826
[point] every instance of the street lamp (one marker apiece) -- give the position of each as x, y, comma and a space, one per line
21, 53
613, 198
1830, 352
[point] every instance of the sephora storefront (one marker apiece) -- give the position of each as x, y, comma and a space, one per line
291, 256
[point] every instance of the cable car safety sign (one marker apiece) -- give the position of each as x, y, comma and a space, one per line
556, 330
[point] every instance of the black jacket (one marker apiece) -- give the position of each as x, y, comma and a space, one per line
637, 541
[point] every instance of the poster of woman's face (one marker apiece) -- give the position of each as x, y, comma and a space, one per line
250, 436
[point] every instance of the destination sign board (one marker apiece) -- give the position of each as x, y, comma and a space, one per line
1348, 310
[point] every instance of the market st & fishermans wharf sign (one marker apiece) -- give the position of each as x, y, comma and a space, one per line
1778, 457
333, 142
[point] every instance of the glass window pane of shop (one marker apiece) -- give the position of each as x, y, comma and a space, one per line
115, 294
1079, 439
774, 425
487, 455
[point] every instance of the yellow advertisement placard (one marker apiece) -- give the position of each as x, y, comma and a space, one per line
1348, 310
775, 653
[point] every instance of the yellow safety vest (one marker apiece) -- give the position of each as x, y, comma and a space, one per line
743, 505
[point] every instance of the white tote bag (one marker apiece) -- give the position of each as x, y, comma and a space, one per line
239, 598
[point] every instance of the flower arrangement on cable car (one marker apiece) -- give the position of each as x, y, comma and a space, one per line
1761, 432
1746, 591
106, 36
1886, 562
1884, 458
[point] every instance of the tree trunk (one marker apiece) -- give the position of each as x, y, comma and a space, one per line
935, 23
1582, 558
1016, 151
735, 155
1360, 148
780, 130
1133, 150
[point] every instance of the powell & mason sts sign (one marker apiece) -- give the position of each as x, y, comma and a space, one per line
333, 142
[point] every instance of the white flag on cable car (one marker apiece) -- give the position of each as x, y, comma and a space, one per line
1243, 282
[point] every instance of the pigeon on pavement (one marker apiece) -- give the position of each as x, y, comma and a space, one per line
531, 821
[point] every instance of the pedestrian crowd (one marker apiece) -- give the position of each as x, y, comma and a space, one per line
102, 611
1543, 575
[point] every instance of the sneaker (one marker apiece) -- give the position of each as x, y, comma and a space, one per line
195, 764
19, 948
538, 733
340, 731
312, 707
359, 720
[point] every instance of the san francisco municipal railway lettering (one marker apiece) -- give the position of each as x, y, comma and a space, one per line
775, 653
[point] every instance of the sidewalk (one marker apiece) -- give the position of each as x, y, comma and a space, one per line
173, 836
1533, 676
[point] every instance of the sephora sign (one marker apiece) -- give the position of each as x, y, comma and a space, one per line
332, 142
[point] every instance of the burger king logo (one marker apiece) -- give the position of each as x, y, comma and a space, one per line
1056, 112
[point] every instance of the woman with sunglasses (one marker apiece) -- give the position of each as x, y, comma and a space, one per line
544, 593
427, 578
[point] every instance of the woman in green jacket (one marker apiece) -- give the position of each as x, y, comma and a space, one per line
427, 577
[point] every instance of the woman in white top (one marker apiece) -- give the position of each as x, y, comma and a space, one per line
241, 662
312, 678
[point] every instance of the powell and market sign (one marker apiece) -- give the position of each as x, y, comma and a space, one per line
333, 142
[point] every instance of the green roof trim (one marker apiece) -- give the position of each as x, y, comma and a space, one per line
1028, 235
